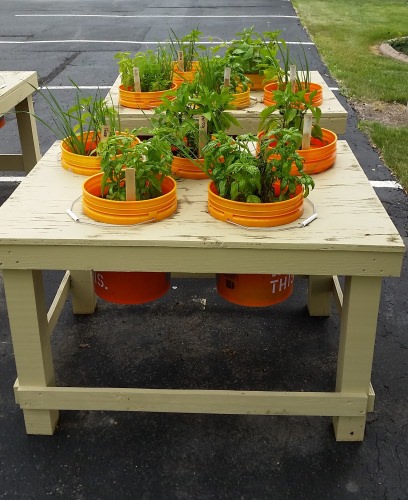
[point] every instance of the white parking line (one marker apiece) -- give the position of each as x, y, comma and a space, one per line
129, 42
386, 184
163, 16
81, 87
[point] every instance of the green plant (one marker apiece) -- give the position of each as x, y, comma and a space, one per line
240, 175
155, 69
86, 116
348, 49
289, 111
176, 120
255, 52
211, 74
302, 77
150, 159
186, 44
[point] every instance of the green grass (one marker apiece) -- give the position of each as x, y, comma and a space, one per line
346, 33
392, 142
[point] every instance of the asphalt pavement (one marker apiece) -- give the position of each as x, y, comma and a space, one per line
191, 338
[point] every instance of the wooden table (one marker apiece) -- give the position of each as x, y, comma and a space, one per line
17, 94
334, 116
352, 237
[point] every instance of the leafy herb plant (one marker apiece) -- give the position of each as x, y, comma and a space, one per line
187, 44
211, 74
155, 69
86, 117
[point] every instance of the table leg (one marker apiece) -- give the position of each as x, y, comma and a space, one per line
27, 128
82, 292
27, 313
319, 299
356, 348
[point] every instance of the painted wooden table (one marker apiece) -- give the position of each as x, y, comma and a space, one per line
334, 116
352, 237
16, 89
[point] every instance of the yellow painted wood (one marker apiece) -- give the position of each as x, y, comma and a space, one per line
20, 86
82, 292
334, 116
338, 294
29, 331
371, 399
356, 347
320, 295
193, 401
353, 236
11, 162
58, 302
27, 127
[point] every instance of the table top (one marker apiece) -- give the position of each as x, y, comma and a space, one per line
37, 232
330, 107
18, 86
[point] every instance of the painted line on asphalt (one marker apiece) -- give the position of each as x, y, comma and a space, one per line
386, 184
132, 42
163, 16
81, 87
377, 184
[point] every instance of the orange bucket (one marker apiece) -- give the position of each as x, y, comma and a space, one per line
241, 99
255, 290
130, 287
255, 214
180, 77
270, 88
187, 168
143, 100
258, 81
319, 157
81, 164
127, 212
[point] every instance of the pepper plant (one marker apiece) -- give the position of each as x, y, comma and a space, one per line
255, 52
151, 160
176, 120
264, 177
289, 111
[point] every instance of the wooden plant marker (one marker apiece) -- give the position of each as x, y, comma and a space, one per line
293, 77
136, 76
227, 77
105, 132
307, 130
180, 60
202, 133
130, 182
